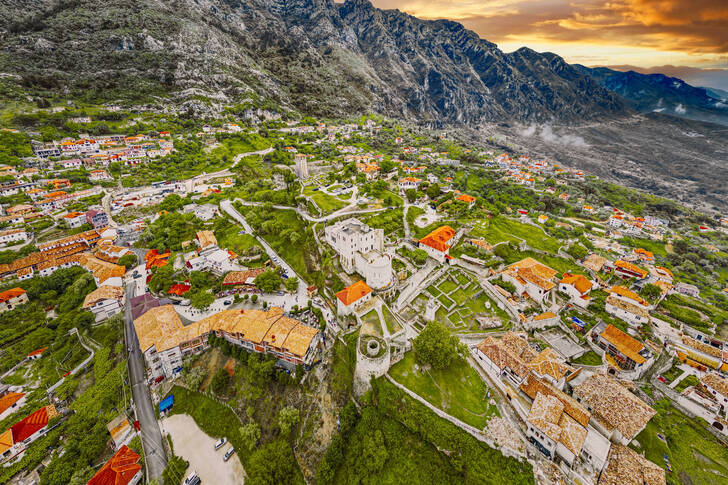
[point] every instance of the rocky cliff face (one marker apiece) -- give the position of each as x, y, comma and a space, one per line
314, 55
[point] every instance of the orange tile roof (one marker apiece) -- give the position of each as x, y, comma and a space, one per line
625, 344
11, 293
466, 198
353, 293
438, 238
532, 386
643, 252
9, 399
630, 267
626, 467
627, 293
119, 470
580, 282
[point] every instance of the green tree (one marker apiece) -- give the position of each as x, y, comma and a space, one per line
288, 417
161, 278
433, 191
268, 281
220, 381
577, 251
250, 433
273, 464
201, 300
411, 195
291, 284
419, 256
651, 292
435, 346
128, 260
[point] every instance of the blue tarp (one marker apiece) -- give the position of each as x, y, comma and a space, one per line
578, 322
166, 403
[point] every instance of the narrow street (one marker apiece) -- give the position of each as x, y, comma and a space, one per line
154, 454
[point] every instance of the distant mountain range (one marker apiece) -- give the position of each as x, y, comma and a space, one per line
663, 94
336, 60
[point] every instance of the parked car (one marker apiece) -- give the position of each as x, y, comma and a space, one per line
220, 442
192, 479
228, 454
227, 302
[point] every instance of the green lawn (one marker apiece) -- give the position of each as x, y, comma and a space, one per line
656, 247
589, 358
447, 286
687, 381
502, 229
695, 455
393, 325
327, 203
458, 390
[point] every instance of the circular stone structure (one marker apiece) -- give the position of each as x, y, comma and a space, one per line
372, 348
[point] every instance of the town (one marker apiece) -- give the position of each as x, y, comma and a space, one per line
293, 300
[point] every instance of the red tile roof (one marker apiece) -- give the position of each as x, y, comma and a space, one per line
37, 351
119, 470
25, 428
353, 293
438, 238
178, 289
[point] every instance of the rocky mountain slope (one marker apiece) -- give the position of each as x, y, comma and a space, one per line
341, 59
315, 55
662, 94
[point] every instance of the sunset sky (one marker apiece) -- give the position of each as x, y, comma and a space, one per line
689, 38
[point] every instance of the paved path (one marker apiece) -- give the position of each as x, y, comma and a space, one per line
348, 210
154, 453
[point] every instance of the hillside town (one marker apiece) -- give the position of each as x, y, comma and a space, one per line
185, 302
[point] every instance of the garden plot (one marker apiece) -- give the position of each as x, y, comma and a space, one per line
461, 303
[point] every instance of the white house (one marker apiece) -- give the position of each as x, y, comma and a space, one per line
436, 244
361, 249
627, 306
104, 301
530, 277
717, 386
12, 236
352, 297
577, 287
12, 298
75, 219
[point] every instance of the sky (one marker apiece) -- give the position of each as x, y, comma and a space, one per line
683, 38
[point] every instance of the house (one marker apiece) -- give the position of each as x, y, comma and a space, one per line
75, 219
361, 249
12, 237
406, 183
122, 469
36, 354
98, 175
626, 270
12, 298
203, 212
717, 386
627, 353
626, 467
468, 199
73, 163
11, 402
17, 438
206, 241
164, 340
120, 430
352, 297
644, 255
687, 289
97, 218
530, 277
436, 244
542, 218
512, 358
698, 353
628, 306
616, 412
547, 319
104, 301
553, 431
577, 287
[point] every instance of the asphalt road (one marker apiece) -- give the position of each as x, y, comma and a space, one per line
154, 454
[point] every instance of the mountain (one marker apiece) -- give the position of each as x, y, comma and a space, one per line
317, 56
342, 59
663, 94
721, 94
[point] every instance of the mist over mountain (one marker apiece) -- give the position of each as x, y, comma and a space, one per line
340, 59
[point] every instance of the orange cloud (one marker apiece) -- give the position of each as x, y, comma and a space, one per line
697, 28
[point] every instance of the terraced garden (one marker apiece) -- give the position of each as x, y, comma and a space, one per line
461, 300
